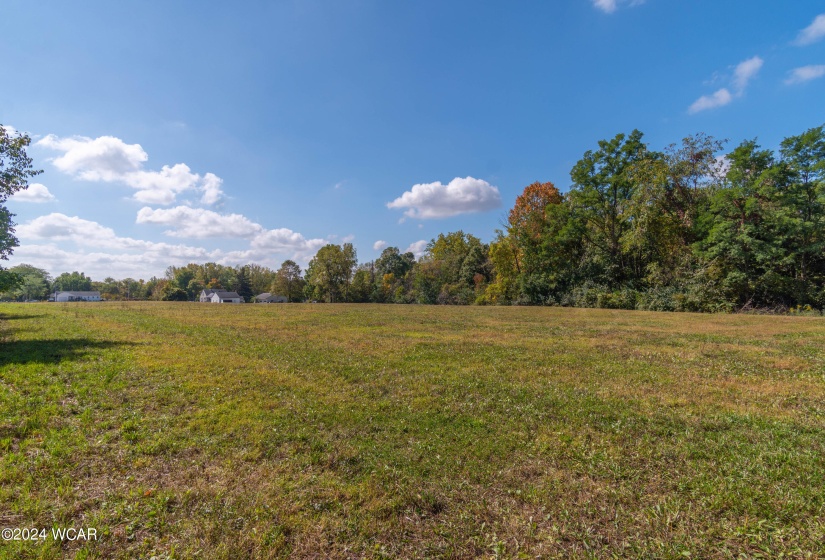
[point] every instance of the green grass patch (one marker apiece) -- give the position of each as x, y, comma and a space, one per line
187, 430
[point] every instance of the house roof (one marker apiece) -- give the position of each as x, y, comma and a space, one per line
222, 294
267, 296
87, 294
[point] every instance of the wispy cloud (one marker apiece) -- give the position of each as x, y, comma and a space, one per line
718, 98
742, 75
745, 71
610, 6
805, 74
812, 33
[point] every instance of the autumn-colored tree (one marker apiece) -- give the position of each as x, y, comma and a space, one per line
529, 213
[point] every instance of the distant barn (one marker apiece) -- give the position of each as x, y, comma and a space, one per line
266, 297
77, 296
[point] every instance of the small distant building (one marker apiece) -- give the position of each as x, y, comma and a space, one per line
76, 296
266, 297
220, 296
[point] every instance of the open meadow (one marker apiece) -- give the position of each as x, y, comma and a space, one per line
183, 430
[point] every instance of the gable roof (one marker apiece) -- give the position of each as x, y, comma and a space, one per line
222, 294
83, 294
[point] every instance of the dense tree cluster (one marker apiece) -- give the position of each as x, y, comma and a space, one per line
689, 228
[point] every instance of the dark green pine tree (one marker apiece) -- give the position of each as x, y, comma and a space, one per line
244, 286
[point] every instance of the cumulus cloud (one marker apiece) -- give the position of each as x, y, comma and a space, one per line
742, 75
212, 192
199, 223
60, 227
36, 192
717, 99
57, 243
813, 32
101, 159
459, 196
805, 74
379, 245
610, 6
418, 248
10, 130
109, 159
285, 240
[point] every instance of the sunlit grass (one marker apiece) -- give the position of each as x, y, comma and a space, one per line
217, 431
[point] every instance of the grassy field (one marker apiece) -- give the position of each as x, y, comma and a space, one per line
312, 431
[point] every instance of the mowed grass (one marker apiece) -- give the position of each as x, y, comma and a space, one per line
359, 431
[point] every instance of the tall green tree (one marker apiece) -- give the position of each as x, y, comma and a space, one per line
34, 283
741, 247
803, 204
288, 281
242, 284
330, 272
601, 197
669, 205
15, 171
74, 281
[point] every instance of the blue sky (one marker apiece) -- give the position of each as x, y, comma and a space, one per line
175, 132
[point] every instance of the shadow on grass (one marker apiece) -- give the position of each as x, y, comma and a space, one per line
51, 351
15, 317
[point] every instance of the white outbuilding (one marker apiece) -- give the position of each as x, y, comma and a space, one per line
77, 296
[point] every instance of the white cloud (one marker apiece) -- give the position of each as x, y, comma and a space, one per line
459, 196
36, 192
71, 243
805, 74
379, 245
813, 32
742, 75
103, 159
185, 221
212, 192
746, 70
718, 99
285, 240
109, 159
199, 223
10, 130
610, 6
418, 248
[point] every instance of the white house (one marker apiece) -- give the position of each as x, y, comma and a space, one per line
220, 296
266, 297
77, 296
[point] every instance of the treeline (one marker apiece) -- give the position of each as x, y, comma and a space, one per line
689, 228
178, 284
